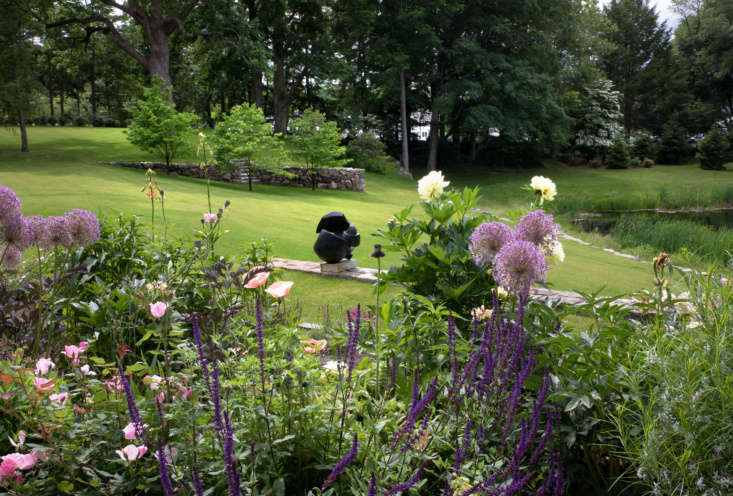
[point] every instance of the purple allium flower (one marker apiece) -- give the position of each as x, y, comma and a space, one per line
36, 231
404, 486
372, 485
197, 486
12, 256
14, 232
517, 265
537, 227
58, 231
487, 240
9, 204
83, 227
341, 465
165, 479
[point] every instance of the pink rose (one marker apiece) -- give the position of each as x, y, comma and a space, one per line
60, 398
129, 431
258, 280
158, 309
130, 453
279, 289
7, 468
73, 351
43, 385
43, 365
21, 462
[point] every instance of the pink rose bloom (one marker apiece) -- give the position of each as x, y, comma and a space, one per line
85, 370
42, 384
279, 289
21, 462
153, 381
258, 280
210, 218
7, 468
130, 453
73, 351
43, 365
316, 345
59, 398
158, 309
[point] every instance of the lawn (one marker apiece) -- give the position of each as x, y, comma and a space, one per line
62, 172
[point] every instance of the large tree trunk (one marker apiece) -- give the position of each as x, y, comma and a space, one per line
93, 85
50, 101
280, 93
61, 106
405, 163
258, 96
434, 129
23, 131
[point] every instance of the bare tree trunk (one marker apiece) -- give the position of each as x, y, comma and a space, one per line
61, 106
23, 131
280, 94
434, 130
50, 101
258, 97
405, 163
93, 85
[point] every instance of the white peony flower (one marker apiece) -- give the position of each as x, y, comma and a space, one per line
554, 253
431, 185
545, 186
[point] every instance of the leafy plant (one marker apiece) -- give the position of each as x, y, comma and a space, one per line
367, 152
712, 151
618, 156
156, 125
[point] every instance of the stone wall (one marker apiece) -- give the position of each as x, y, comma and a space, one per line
342, 178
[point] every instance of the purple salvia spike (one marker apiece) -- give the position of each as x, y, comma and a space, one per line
559, 477
134, 413
372, 485
404, 486
341, 465
197, 485
543, 442
216, 400
482, 485
165, 480
229, 462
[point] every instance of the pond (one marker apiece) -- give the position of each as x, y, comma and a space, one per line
605, 222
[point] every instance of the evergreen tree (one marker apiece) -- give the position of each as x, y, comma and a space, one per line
712, 151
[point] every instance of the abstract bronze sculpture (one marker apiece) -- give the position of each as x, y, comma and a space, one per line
337, 238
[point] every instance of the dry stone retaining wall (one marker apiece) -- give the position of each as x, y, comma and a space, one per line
342, 178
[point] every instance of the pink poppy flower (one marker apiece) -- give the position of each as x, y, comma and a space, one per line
258, 280
279, 289
130, 453
60, 398
43, 385
158, 309
43, 365
316, 345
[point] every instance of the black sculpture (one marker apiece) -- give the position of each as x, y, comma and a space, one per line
337, 238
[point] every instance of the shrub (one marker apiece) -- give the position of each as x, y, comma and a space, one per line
634, 162
712, 151
673, 147
367, 152
618, 155
595, 163
648, 163
156, 126
644, 147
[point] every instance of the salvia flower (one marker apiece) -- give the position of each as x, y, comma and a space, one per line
486, 241
537, 227
9, 203
197, 486
519, 264
404, 486
341, 465
83, 227
132, 409
372, 485
165, 479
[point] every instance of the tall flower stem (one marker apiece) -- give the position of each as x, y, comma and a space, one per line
39, 303
377, 313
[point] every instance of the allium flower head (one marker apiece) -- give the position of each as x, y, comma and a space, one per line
431, 185
544, 186
58, 231
83, 227
9, 203
36, 230
12, 256
517, 265
210, 218
537, 227
487, 240
14, 232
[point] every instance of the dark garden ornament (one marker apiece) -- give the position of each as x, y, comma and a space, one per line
337, 238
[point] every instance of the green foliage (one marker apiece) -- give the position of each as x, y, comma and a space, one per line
644, 147
436, 263
673, 147
712, 151
618, 156
156, 126
367, 152
596, 115
647, 163
317, 143
244, 134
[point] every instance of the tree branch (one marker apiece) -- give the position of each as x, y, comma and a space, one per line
123, 8
174, 22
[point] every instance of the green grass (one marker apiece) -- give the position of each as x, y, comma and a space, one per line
62, 172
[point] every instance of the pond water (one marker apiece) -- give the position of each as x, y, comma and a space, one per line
604, 222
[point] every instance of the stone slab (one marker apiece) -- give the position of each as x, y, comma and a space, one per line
359, 274
338, 267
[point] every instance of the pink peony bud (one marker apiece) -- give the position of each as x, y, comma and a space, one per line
158, 309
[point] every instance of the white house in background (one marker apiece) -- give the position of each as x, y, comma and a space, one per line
421, 126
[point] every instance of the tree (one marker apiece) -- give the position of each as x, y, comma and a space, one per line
18, 77
244, 134
712, 151
157, 126
596, 115
618, 156
638, 38
158, 21
316, 142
